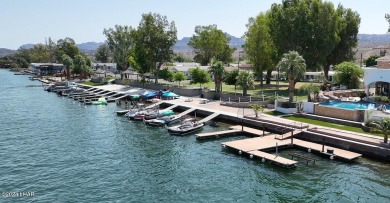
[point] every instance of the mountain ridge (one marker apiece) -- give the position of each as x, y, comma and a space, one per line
181, 46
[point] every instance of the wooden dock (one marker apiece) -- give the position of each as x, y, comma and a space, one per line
323, 149
170, 107
219, 134
248, 130
210, 117
256, 147
186, 112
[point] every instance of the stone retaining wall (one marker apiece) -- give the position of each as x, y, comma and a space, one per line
352, 115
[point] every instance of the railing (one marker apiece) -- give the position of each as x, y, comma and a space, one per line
285, 129
243, 99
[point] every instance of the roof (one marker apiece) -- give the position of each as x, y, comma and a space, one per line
103, 64
187, 68
47, 64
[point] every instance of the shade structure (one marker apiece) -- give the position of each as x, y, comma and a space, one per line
170, 94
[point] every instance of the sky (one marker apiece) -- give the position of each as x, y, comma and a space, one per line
33, 21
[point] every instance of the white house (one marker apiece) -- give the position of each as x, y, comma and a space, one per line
377, 79
185, 68
106, 67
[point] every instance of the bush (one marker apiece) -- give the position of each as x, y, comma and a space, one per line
271, 100
384, 99
362, 95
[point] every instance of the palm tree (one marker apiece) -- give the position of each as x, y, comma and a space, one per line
257, 108
245, 80
295, 67
68, 62
217, 70
383, 126
310, 89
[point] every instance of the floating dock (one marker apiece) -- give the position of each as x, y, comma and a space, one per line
256, 147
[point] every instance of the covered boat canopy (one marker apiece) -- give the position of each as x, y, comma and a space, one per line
170, 94
149, 95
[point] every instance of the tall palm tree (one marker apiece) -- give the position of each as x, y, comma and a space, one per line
383, 126
68, 62
294, 66
245, 80
217, 70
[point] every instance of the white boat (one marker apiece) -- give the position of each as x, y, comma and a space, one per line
165, 120
186, 127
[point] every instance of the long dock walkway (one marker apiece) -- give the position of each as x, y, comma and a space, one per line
186, 112
236, 130
210, 117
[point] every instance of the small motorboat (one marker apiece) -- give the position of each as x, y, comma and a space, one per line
186, 127
100, 101
165, 120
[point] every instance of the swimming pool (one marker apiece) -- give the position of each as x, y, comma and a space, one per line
352, 105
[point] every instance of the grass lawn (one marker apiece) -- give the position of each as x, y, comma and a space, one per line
330, 125
257, 91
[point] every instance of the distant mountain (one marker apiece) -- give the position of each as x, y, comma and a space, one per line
91, 46
373, 40
27, 46
5, 52
366, 43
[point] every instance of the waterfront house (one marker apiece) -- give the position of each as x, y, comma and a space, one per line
185, 68
106, 67
46, 68
377, 78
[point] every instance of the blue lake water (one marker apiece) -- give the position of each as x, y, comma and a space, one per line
66, 152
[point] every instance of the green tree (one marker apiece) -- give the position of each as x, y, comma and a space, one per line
179, 76
80, 66
178, 57
383, 126
154, 41
208, 42
68, 62
245, 81
259, 46
307, 26
199, 75
66, 46
348, 28
165, 74
120, 42
348, 74
294, 66
310, 88
387, 17
102, 53
217, 70
230, 78
371, 61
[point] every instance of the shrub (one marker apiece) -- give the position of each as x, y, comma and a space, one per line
384, 99
272, 99
362, 95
